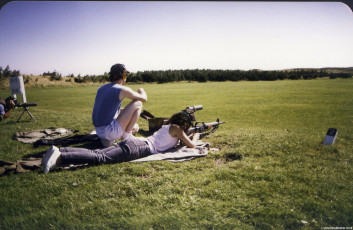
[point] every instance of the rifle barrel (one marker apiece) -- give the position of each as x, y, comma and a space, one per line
215, 123
202, 127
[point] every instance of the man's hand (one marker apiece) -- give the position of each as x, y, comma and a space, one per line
141, 91
12, 104
208, 127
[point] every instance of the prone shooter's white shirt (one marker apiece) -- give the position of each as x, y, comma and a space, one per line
161, 140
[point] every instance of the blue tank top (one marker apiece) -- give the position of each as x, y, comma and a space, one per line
106, 104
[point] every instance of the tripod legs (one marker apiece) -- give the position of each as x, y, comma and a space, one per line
26, 110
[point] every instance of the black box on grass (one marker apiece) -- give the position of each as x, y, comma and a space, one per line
330, 136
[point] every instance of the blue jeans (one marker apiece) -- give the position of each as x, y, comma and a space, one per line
123, 151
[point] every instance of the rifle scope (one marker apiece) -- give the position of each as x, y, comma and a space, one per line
194, 108
26, 105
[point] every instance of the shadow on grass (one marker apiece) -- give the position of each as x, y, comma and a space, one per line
145, 133
232, 156
34, 155
11, 122
228, 157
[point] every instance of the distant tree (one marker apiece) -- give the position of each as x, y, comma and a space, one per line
55, 76
7, 72
78, 79
15, 73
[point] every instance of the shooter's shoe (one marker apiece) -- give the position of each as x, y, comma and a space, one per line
47, 155
50, 158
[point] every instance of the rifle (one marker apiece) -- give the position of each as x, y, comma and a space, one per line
25, 105
189, 113
203, 127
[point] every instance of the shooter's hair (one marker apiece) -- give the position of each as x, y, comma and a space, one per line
116, 72
182, 119
7, 100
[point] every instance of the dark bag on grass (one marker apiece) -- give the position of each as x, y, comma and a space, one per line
76, 139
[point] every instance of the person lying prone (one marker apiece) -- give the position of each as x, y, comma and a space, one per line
129, 149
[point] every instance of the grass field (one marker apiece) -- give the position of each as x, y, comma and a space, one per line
272, 170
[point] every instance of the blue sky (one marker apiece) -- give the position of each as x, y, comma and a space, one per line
88, 37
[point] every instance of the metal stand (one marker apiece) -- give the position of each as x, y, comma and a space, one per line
25, 110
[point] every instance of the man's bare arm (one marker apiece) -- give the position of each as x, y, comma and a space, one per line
129, 93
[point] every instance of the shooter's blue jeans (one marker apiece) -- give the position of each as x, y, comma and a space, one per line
123, 151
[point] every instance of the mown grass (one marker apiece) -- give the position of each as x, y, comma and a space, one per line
272, 170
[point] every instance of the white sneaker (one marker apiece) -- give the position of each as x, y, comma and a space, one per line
47, 155
50, 158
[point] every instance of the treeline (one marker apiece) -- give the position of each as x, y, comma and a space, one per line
199, 75
53, 76
91, 78
7, 72
56, 76
204, 75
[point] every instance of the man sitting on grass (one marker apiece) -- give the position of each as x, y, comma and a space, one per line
110, 121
